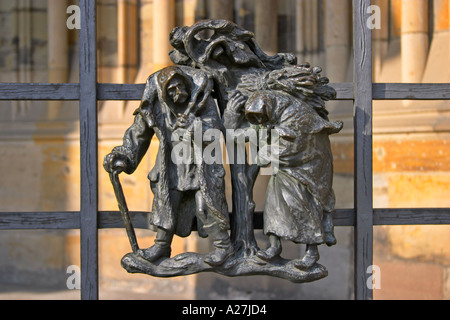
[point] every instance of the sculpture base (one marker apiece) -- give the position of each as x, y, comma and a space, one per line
191, 263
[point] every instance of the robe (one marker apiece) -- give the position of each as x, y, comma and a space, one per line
156, 116
300, 189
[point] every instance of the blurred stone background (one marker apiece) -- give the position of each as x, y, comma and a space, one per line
39, 141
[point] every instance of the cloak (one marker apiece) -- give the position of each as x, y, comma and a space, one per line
301, 189
157, 115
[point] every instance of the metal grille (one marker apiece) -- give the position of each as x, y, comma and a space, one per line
88, 92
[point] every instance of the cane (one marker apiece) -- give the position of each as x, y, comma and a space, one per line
114, 176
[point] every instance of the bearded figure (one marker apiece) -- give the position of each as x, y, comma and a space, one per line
177, 103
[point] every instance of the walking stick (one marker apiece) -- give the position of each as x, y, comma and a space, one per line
114, 176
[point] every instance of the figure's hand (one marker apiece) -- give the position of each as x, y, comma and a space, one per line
115, 162
237, 102
185, 121
203, 93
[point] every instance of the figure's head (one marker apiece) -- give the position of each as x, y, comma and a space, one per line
177, 91
174, 84
176, 37
258, 109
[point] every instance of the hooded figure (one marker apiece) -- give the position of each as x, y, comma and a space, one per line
300, 190
177, 104
299, 198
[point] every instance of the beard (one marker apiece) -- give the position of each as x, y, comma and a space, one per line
180, 98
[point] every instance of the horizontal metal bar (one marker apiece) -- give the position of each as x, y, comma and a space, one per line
415, 216
68, 91
113, 219
140, 220
398, 91
111, 91
39, 91
39, 220
344, 217
105, 91
411, 91
344, 91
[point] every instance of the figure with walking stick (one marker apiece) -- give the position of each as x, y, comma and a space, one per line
177, 99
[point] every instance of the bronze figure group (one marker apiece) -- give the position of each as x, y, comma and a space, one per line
223, 87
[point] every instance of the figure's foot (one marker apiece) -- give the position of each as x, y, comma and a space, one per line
328, 229
222, 244
309, 259
273, 251
270, 253
155, 252
219, 256
329, 238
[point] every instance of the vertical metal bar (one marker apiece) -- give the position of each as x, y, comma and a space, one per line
363, 147
88, 151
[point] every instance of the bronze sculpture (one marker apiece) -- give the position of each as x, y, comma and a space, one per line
254, 93
186, 190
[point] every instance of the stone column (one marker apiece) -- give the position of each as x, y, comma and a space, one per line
107, 33
127, 22
438, 66
122, 34
221, 9
58, 62
58, 49
163, 23
338, 26
108, 64
187, 15
414, 39
307, 31
266, 29
441, 15
24, 58
24, 13
299, 31
380, 38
